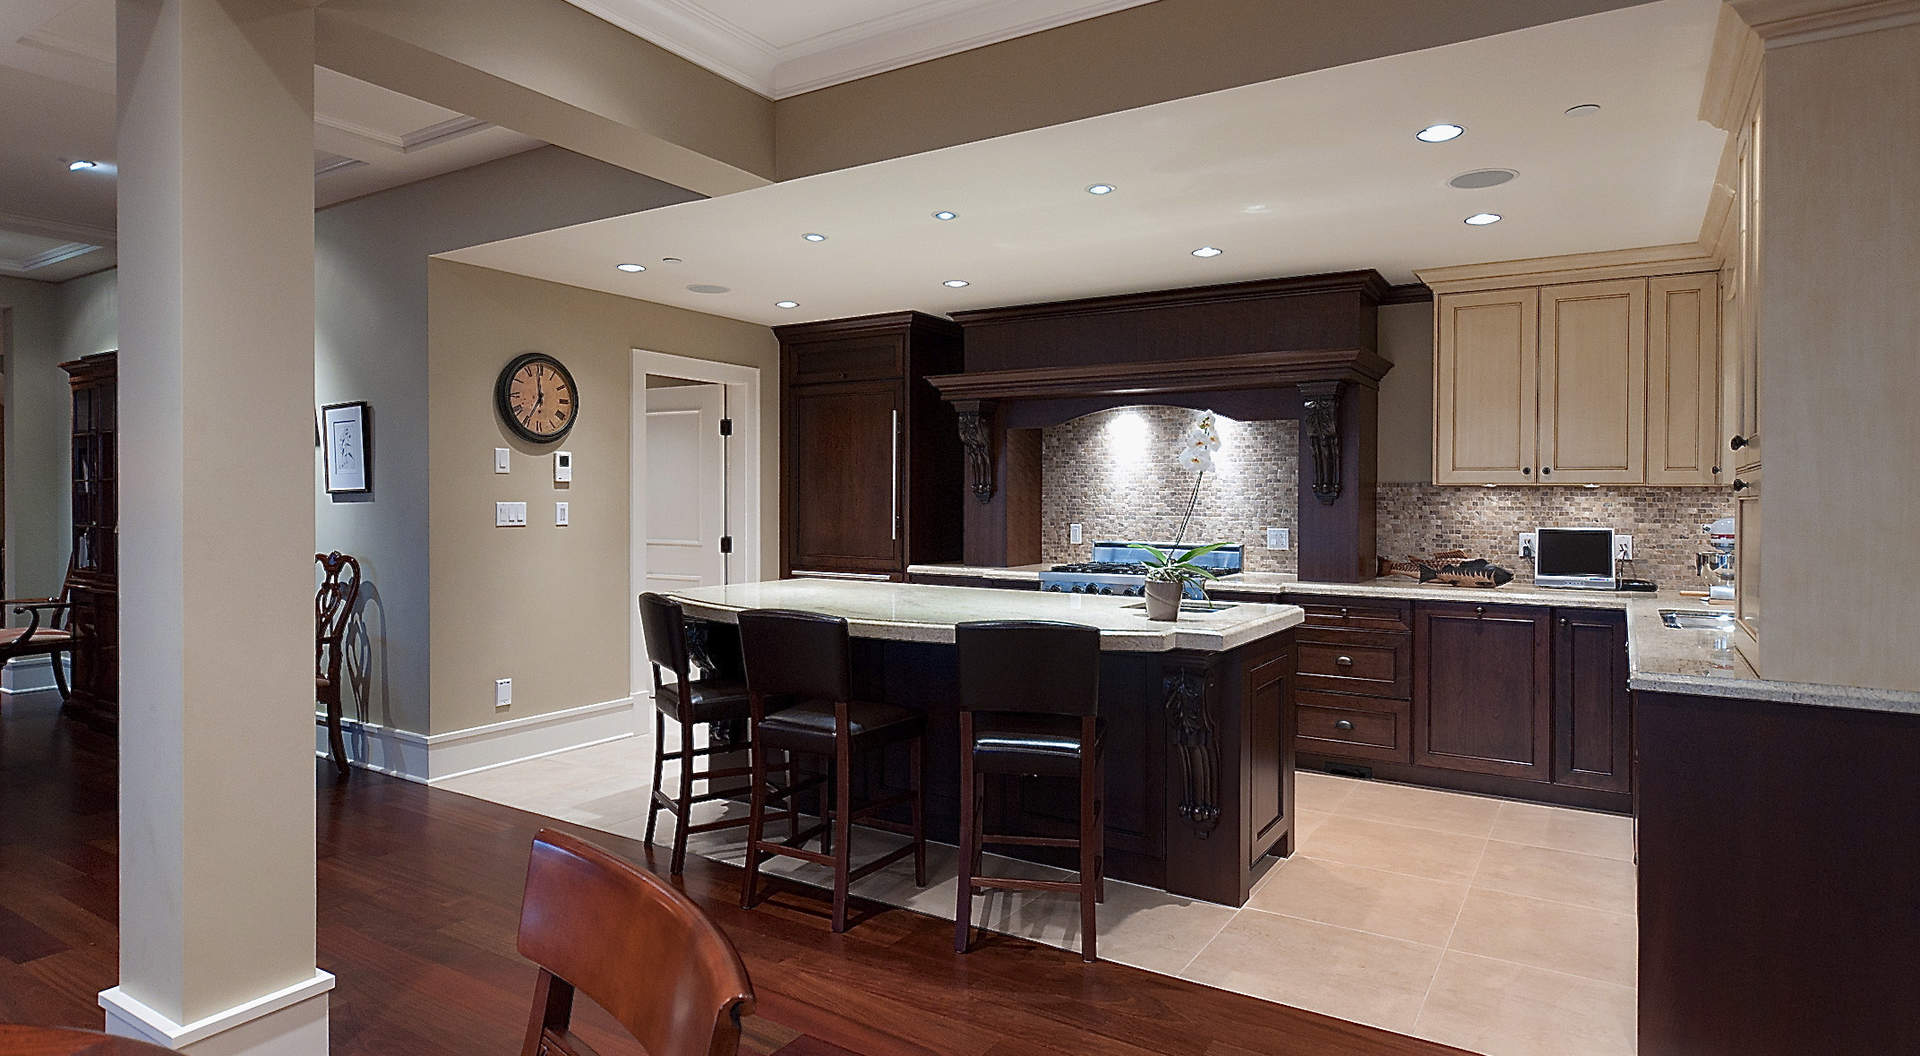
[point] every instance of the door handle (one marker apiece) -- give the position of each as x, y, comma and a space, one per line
894, 510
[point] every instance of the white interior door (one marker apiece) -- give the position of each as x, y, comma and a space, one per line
686, 507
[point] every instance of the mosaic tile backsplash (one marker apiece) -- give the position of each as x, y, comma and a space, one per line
1115, 473
1487, 522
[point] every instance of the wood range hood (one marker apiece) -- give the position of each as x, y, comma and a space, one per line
1295, 348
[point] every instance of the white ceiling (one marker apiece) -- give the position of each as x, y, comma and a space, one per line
1306, 174
781, 48
57, 83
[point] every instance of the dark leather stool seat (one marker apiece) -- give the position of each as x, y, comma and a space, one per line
800, 686
690, 702
708, 700
1030, 744
1029, 707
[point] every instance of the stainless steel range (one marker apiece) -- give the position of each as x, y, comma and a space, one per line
1120, 569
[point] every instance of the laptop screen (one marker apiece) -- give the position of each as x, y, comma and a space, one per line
1574, 552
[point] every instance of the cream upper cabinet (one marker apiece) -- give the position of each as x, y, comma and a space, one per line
1683, 379
1745, 326
1593, 383
1486, 387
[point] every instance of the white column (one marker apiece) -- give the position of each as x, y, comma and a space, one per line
216, 529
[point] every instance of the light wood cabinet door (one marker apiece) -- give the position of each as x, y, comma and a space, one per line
1683, 379
1746, 426
1593, 383
1486, 403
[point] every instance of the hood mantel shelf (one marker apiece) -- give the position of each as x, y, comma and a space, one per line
1246, 370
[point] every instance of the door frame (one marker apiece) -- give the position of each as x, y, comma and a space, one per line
742, 385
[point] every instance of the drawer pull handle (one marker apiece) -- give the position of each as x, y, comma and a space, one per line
1343, 724
1343, 661
1343, 613
1479, 610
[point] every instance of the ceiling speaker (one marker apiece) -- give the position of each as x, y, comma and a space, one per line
1481, 178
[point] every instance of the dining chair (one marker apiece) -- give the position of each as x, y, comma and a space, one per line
599, 926
1030, 708
332, 606
49, 631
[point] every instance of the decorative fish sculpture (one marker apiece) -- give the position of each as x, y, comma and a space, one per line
1449, 567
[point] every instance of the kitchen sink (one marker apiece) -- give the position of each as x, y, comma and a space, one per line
1690, 619
1189, 605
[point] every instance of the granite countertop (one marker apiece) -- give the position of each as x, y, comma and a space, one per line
1661, 659
920, 612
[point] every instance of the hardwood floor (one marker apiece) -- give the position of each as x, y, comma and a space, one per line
419, 894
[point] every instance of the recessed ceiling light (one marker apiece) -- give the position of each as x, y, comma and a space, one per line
631, 267
1583, 109
77, 166
1483, 219
814, 236
786, 304
1208, 251
1100, 188
955, 283
945, 214
707, 287
1439, 133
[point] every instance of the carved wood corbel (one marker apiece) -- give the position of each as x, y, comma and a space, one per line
1320, 401
976, 437
1195, 736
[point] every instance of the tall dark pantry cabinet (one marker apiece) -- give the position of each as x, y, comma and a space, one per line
870, 457
93, 579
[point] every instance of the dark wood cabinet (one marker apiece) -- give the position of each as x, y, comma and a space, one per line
1592, 706
870, 457
1483, 690
94, 578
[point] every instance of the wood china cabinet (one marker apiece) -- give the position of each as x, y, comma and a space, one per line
95, 617
871, 455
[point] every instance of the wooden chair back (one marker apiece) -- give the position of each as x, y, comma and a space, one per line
643, 951
332, 605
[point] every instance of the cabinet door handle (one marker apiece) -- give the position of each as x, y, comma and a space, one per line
895, 509
1740, 485
1526, 471
1564, 622
1343, 661
1546, 471
1479, 610
1738, 442
1343, 724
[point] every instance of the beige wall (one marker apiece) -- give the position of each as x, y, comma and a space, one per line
1839, 336
1406, 394
35, 394
547, 606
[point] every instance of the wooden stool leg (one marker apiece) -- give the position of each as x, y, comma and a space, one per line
1089, 871
843, 830
683, 803
793, 797
823, 799
756, 820
920, 811
659, 756
963, 904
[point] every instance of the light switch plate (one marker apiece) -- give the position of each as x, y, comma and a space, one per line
559, 515
1075, 533
509, 515
1279, 538
1623, 548
1526, 544
502, 692
502, 460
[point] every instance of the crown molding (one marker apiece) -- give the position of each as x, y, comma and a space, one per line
64, 251
1784, 23
103, 237
406, 142
1680, 258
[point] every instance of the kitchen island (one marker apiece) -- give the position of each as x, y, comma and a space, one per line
1198, 714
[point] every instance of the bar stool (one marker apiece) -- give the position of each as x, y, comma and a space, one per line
804, 661
1029, 707
689, 702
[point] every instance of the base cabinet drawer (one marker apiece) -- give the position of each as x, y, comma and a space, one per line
1354, 614
1356, 662
1339, 724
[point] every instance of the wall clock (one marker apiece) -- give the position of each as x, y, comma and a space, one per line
536, 398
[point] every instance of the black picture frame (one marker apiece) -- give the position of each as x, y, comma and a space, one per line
346, 453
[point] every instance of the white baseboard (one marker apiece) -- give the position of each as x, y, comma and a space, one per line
30, 674
432, 758
291, 1021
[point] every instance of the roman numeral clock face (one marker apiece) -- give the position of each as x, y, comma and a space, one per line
536, 397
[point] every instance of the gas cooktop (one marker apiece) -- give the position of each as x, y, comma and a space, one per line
1105, 568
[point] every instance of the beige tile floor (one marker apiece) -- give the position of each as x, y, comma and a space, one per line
1500, 927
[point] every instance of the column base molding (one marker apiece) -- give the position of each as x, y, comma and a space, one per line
291, 1021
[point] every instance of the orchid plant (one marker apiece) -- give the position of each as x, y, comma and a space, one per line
1196, 453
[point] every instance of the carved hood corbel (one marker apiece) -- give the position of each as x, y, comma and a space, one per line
976, 437
1320, 401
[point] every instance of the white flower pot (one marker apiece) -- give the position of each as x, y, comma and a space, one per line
1163, 599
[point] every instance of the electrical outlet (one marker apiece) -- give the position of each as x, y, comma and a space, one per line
509, 515
1075, 534
1279, 538
559, 515
502, 692
1623, 548
502, 460
1526, 544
